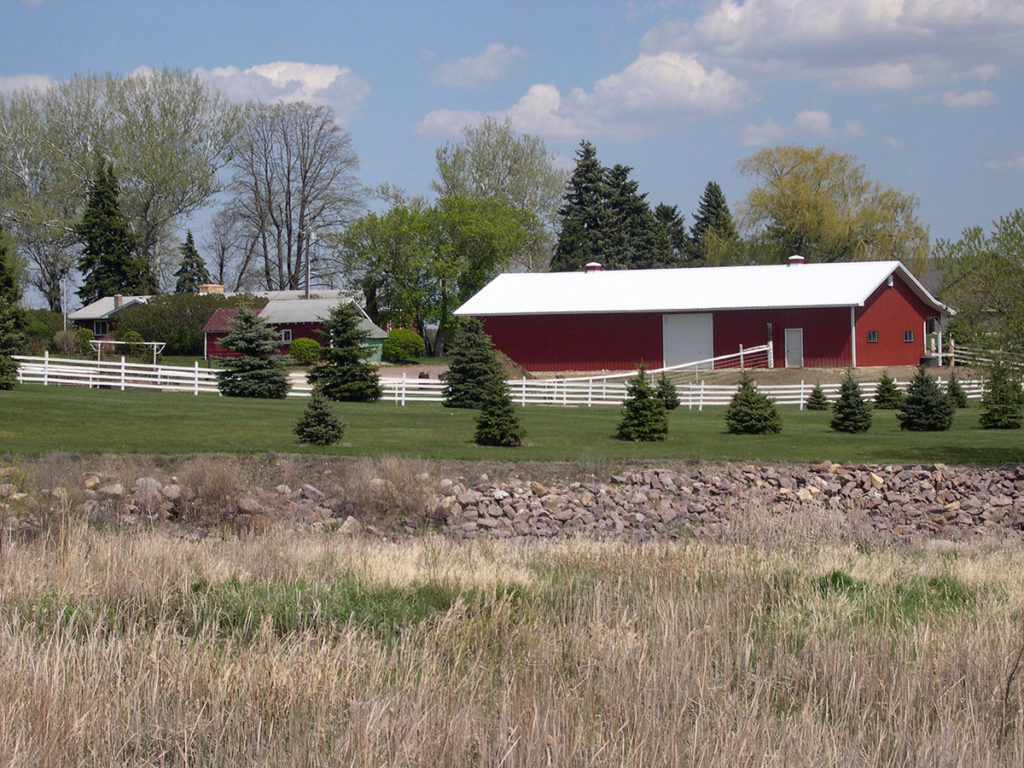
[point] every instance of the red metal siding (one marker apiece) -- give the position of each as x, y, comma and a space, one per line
826, 333
593, 342
891, 311
299, 331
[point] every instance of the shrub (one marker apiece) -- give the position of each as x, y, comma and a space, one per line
82, 338
750, 412
135, 348
402, 344
956, 393
888, 396
343, 374
667, 393
926, 408
63, 342
1002, 401
304, 351
817, 401
177, 319
644, 417
319, 425
259, 372
497, 423
40, 328
850, 413
472, 366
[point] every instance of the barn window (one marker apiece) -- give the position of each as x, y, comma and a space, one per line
286, 335
872, 337
908, 337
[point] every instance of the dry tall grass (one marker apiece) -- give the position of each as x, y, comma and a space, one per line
141, 649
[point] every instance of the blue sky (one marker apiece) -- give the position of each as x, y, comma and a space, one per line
927, 94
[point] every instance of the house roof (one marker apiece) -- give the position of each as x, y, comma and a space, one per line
102, 309
289, 311
220, 320
687, 290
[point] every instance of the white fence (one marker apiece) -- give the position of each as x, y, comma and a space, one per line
580, 392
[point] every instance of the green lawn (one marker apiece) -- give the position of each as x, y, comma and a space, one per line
36, 420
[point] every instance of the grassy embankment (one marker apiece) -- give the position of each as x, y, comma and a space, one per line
35, 420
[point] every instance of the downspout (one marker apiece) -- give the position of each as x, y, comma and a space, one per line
853, 337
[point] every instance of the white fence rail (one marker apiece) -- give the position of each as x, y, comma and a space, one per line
596, 391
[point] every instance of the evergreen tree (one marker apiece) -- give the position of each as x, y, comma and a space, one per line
318, 424
583, 214
667, 393
750, 412
888, 396
926, 408
644, 417
473, 364
712, 219
192, 273
817, 401
258, 371
497, 423
633, 237
850, 413
12, 316
956, 393
1002, 402
343, 373
671, 220
110, 262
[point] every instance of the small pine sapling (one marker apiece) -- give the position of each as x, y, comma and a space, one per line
750, 412
257, 371
319, 425
1001, 404
956, 393
343, 373
888, 396
497, 423
851, 413
667, 393
817, 401
644, 417
473, 365
926, 408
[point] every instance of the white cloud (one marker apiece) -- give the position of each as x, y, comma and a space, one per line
1013, 164
958, 99
288, 81
814, 121
652, 92
495, 63
893, 143
12, 83
768, 132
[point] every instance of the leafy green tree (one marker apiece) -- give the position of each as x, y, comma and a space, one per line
983, 278
955, 391
581, 238
667, 393
318, 424
110, 262
888, 396
822, 205
713, 226
12, 316
258, 371
750, 412
1003, 399
926, 408
817, 401
644, 417
497, 423
851, 413
473, 364
177, 319
343, 373
492, 161
192, 273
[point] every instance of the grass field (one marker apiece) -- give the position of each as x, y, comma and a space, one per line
35, 420
290, 649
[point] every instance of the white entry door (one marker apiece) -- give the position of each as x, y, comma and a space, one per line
794, 347
687, 338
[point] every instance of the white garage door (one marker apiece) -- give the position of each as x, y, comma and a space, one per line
687, 338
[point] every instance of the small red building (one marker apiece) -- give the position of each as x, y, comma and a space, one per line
816, 315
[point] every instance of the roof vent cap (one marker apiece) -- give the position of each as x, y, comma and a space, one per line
592, 266
795, 259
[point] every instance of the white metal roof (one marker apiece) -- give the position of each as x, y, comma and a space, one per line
101, 309
292, 310
687, 290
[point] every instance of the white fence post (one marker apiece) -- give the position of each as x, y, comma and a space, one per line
122, 373
195, 369
700, 406
741, 357
403, 388
46, 368
522, 393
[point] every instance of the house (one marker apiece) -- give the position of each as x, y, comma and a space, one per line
293, 317
100, 316
816, 315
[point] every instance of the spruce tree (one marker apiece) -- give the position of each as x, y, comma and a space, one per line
817, 400
750, 412
473, 364
583, 214
1002, 402
497, 423
343, 373
318, 424
12, 316
712, 217
888, 396
258, 371
633, 238
667, 393
671, 220
926, 408
192, 273
110, 262
956, 393
644, 417
851, 413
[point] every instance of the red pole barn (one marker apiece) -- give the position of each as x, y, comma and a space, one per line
816, 315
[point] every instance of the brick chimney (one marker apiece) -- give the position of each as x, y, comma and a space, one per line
118, 300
